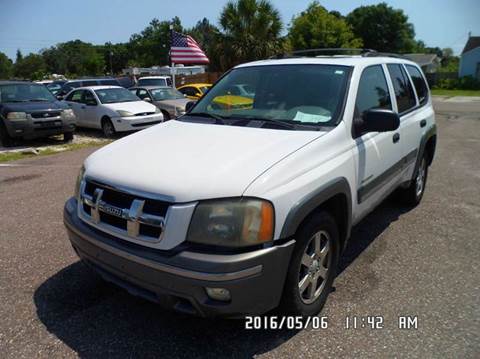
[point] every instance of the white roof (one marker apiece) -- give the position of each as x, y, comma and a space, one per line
330, 60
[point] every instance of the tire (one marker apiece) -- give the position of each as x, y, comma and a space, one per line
67, 136
5, 138
413, 194
108, 128
166, 116
300, 297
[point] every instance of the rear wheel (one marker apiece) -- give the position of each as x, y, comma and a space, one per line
313, 266
107, 128
413, 194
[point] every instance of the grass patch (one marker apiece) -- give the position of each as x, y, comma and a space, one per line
443, 92
51, 150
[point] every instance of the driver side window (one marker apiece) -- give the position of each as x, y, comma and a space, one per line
75, 96
89, 99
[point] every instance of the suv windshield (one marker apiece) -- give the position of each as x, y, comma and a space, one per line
114, 95
295, 94
25, 93
166, 93
152, 82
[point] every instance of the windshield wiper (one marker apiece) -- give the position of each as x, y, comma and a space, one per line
218, 118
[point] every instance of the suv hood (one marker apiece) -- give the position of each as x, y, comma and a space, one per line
33, 106
192, 161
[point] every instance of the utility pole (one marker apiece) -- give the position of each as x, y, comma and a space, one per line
111, 67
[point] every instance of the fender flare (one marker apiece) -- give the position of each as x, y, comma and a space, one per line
306, 205
432, 131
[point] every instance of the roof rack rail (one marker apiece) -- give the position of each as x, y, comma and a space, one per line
334, 51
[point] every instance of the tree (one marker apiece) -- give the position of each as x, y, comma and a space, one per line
383, 28
74, 58
208, 37
317, 28
30, 67
152, 45
19, 56
251, 31
6, 67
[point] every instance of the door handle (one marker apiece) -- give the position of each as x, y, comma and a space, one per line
396, 137
423, 123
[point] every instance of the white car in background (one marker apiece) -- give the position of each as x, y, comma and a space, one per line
112, 109
158, 81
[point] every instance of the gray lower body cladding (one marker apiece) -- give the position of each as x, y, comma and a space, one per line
255, 279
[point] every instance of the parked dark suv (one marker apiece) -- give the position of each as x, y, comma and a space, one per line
29, 110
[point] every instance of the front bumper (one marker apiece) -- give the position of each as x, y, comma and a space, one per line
36, 128
178, 280
134, 123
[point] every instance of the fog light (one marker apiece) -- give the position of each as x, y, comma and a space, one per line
221, 294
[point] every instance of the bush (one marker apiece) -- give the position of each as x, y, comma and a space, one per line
462, 83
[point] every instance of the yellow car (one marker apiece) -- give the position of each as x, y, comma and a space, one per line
194, 91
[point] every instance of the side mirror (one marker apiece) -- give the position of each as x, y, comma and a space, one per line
184, 95
377, 121
59, 97
91, 103
189, 105
147, 99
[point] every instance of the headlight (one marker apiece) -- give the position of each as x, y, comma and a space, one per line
157, 110
68, 113
80, 176
16, 116
232, 222
123, 113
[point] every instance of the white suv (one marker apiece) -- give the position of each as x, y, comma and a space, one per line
252, 203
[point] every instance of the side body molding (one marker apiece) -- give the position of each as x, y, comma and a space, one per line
304, 206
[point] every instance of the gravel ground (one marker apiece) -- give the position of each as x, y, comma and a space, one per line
423, 262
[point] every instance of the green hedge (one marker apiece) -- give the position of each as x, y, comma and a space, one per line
462, 83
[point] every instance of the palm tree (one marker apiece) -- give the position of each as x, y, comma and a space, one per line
251, 31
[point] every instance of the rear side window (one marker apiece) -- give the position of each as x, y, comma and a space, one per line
372, 91
403, 88
89, 83
419, 83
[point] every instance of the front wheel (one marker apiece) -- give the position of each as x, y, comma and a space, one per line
107, 128
67, 136
313, 266
5, 139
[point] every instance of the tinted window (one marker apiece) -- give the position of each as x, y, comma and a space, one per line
152, 82
372, 91
403, 88
419, 83
109, 82
143, 94
89, 98
75, 96
89, 83
25, 92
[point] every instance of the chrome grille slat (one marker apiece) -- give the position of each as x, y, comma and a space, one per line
131, 221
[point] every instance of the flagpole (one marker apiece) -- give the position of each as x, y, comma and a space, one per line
172, 64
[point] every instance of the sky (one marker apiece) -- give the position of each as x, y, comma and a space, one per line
30, 25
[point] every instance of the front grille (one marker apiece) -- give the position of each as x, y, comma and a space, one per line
128, 214
145, 123
144, 113
45, 114
47, 125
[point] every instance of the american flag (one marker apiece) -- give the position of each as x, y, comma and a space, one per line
185, 50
